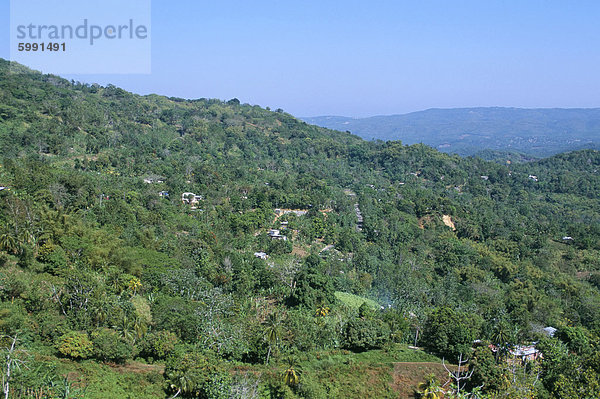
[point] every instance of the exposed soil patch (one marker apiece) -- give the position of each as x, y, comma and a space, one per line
299, 251
139, 368
407, 376
583, 275
448, 222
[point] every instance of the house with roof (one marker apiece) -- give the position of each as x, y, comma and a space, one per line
526, 353
297, 212
154, 179
275, 234
191, 199
521, 353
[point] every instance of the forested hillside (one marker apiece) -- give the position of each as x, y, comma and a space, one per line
160, 247
467, 131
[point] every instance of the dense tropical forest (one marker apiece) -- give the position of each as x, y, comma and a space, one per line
155, 247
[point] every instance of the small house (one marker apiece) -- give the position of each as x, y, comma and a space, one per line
154, 179
522, 353
276, 235
526, 353
191, 199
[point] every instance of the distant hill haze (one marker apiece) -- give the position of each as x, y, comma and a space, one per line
468, 131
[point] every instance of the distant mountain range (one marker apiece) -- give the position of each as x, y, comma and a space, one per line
468, 131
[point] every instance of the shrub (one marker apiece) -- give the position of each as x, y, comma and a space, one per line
109, 346
365, 334
54, 257
196, 374
158, 345
51, 326
313, 289
448, 333
75, 344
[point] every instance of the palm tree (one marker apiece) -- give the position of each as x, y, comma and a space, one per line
139, 327
291, 375
134, 284
500, 338
272, 333
8, 243
100, 313
26, 237
124, 329
181, 383
322, 311
430, 388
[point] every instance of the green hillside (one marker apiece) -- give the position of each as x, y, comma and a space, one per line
113, 283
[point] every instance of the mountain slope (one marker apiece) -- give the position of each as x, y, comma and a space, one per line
537, 132
106, 257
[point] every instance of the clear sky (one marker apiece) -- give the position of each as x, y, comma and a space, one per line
360, 58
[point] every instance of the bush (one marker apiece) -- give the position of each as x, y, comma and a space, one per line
109, 346
313, 289
158, 345
218, 386
196, 374
310, 333
278, 247
76, 345
365, 334
576, 339
486, 371
13, 318
51, 326
448, 333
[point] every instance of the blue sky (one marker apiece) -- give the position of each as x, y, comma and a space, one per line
359, 58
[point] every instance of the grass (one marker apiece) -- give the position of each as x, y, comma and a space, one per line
93, 380
386, 373
355, 301
371, 374
391, 372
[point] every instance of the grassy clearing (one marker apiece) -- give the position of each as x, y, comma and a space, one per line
354, 301
386, 373
94, 380
373, 374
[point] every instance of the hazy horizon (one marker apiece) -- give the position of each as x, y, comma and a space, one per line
443, 108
